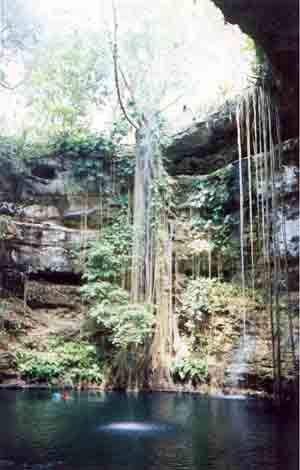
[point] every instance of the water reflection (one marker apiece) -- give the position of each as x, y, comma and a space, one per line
140, 427
113, 431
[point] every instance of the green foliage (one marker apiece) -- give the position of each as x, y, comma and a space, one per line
211, 197
69, 362
17, 148
125, 166
105, 293
3, 307
126, 323
82, 146
20, 31
120, 129
189, 368
38, 366
203, 296
109, 257
92, 152
107, 261
195, 303
124, 163
89, 153
66, 82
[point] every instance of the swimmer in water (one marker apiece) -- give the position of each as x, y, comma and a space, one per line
66, 396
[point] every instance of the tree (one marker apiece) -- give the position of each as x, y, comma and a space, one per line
70, 79
18, 34
154, 68
151, 281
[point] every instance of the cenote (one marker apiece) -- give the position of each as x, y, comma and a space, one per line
133, 431
149, 234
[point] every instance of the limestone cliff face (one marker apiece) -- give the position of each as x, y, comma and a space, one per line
274, 25
43, 222
205, 146
42, 218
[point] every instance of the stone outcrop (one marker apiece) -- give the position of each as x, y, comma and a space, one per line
43, 222
43, 294
274, 26
204, 147
7, 365
42, 247
42, 225
50, 179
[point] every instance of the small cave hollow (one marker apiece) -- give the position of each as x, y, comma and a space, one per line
44, 171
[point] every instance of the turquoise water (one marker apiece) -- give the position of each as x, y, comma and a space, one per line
156, 431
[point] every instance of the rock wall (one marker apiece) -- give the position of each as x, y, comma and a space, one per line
206, 146
274, 25
43, 222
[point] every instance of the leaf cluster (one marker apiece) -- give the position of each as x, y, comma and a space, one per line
109, 257
203, 297
17, 148
127, 324
189, 368
211, 197
70, 362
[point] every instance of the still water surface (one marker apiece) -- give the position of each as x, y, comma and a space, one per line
158, 431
